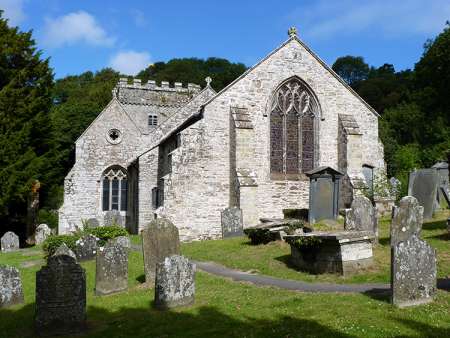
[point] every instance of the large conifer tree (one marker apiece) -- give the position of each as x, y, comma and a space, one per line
25, 130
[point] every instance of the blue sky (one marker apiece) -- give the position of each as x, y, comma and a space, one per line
129, 35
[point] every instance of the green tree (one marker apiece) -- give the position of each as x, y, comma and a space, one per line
25, 129
352, 69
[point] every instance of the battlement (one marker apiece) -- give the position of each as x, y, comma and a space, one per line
151, 85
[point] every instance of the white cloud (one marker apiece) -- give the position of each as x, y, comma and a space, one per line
74, 28
13, 11
326, 19
129, 62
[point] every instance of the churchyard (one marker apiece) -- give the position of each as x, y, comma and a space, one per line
226, 308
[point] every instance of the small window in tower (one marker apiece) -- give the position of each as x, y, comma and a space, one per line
152, 120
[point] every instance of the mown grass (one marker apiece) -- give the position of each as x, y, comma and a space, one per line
273, 259
229, 309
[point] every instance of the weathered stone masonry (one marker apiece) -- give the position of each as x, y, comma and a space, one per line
213, 151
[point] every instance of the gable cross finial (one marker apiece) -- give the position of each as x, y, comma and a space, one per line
208, 81
292, 32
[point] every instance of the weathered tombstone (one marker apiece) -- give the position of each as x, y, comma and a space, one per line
42, 233
113, 217
407, 220
124, 241
111, 269
160, 239
443, 184
86, 247
63, 249
60, 297
9, 242
93, 223
396, 186
11, 292
361, 216
323, 194
423, 185
175, 283
232, 222
413, 272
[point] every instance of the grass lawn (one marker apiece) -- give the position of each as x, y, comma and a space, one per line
228, 309
273, 259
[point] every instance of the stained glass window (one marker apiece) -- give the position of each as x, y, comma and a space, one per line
292, 129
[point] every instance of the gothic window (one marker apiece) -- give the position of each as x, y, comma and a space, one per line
115, 187
292, 121
152, 120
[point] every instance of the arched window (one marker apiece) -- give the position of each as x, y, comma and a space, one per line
292, 129
115, 186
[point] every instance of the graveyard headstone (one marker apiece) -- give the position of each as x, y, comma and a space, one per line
232, 222
63, 249
60, 297
113, 217
9, 242
423, 185
86, 247
361, 216
413, 272
160, 239
175, 283
407, 220
111, 269
11, 292
93, 223
41, 234
124, 241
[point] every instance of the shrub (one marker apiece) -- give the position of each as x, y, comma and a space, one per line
106, 233
49, 217
52, 243
260, 236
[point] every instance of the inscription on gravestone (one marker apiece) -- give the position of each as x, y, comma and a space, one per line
111, 269
160, 239
423, 185
175, 283
232, 222
9, 242
60, 297
11, 292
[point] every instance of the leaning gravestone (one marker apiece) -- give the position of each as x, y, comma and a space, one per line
361, 216
42, 233
9, 242
113, 217
112, 269
11, 292
407, 220
423, 185
160, 239
413, 272
232, 222
86, 247
175, 283
60, 297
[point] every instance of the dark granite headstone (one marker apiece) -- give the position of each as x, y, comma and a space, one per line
11, 292
160, 239
413, 272
60, 297
361, 216
232, 222
175, 283
113, 217
41, 234
86, 247
423, 185
407, 220
112, 269
9, 242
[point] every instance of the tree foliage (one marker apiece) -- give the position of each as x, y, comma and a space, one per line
352, 69
26, 139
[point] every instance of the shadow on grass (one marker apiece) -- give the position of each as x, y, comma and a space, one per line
382, 295
442, 237
437, 225
141, 278
443, 284
286, 260
384, 241
204, 321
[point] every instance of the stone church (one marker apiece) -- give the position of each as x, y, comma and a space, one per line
188, 153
